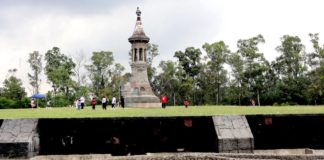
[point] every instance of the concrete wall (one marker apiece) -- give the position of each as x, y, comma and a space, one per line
19, 138
287, 131
142, 135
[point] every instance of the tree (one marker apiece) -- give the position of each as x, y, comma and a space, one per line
117, 80
167, 82
238, 87
79, 64
291, 67
217, 53
100, 70
59, 70
190, 62
255, 65
316, 62
12, 89
152, 51
35, 62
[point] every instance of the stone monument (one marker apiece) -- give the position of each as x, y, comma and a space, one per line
138, 92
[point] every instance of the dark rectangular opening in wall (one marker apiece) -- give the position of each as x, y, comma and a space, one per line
287, 131
122, 136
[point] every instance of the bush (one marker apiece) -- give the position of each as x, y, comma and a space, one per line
24, 102
7, 103
60, 101
275, 104
285, 104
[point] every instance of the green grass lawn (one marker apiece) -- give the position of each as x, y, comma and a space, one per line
68, 112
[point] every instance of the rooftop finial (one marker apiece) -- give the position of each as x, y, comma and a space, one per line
138, 12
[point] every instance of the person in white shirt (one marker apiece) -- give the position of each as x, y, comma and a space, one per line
82, 100
113, 102
104, 103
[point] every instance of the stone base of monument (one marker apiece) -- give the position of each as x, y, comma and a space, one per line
142, 101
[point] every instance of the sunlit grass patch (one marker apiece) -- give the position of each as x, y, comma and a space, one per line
69, 112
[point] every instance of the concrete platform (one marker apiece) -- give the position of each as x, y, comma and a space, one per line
19, 138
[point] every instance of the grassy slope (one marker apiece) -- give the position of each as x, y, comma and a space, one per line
141, 112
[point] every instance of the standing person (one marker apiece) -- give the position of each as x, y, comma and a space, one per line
186, 103
122, 101
32, 103
104, 103
252, 102
82, 100
78, 104
113, 102
48, 104
93, 103
164, 100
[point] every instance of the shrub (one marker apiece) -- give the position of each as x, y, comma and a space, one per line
7, 103
60, 101
24, 102
275, 104
285, 104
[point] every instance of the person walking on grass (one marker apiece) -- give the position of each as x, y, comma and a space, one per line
113, 102
104, 103
164, 100
82, 101
186, 103
93, 103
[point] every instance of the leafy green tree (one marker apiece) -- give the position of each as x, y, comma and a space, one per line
117, 80
35, 62
13, 89
190, 62
291, 67
216, 74
152, 51
271, 91
237, 86
100, 70
59, 70
316, 75
167, 82
255, 65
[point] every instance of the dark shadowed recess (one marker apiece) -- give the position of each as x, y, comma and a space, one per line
127, 136
287, 131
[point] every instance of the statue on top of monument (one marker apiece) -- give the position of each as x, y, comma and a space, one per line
138, 12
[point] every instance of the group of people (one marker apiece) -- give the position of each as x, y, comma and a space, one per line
164, 101
80, 103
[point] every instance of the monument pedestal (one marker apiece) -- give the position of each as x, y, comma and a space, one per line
140, 95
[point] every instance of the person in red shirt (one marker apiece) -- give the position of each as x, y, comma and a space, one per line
93, 103
186, 103
164, 100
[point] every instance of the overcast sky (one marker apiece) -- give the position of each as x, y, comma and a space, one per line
84, 26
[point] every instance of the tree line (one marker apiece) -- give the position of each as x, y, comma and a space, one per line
221, 77
225, 77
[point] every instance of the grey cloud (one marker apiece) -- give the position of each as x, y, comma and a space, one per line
71, 6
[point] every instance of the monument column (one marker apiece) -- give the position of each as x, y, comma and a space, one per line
138, 92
